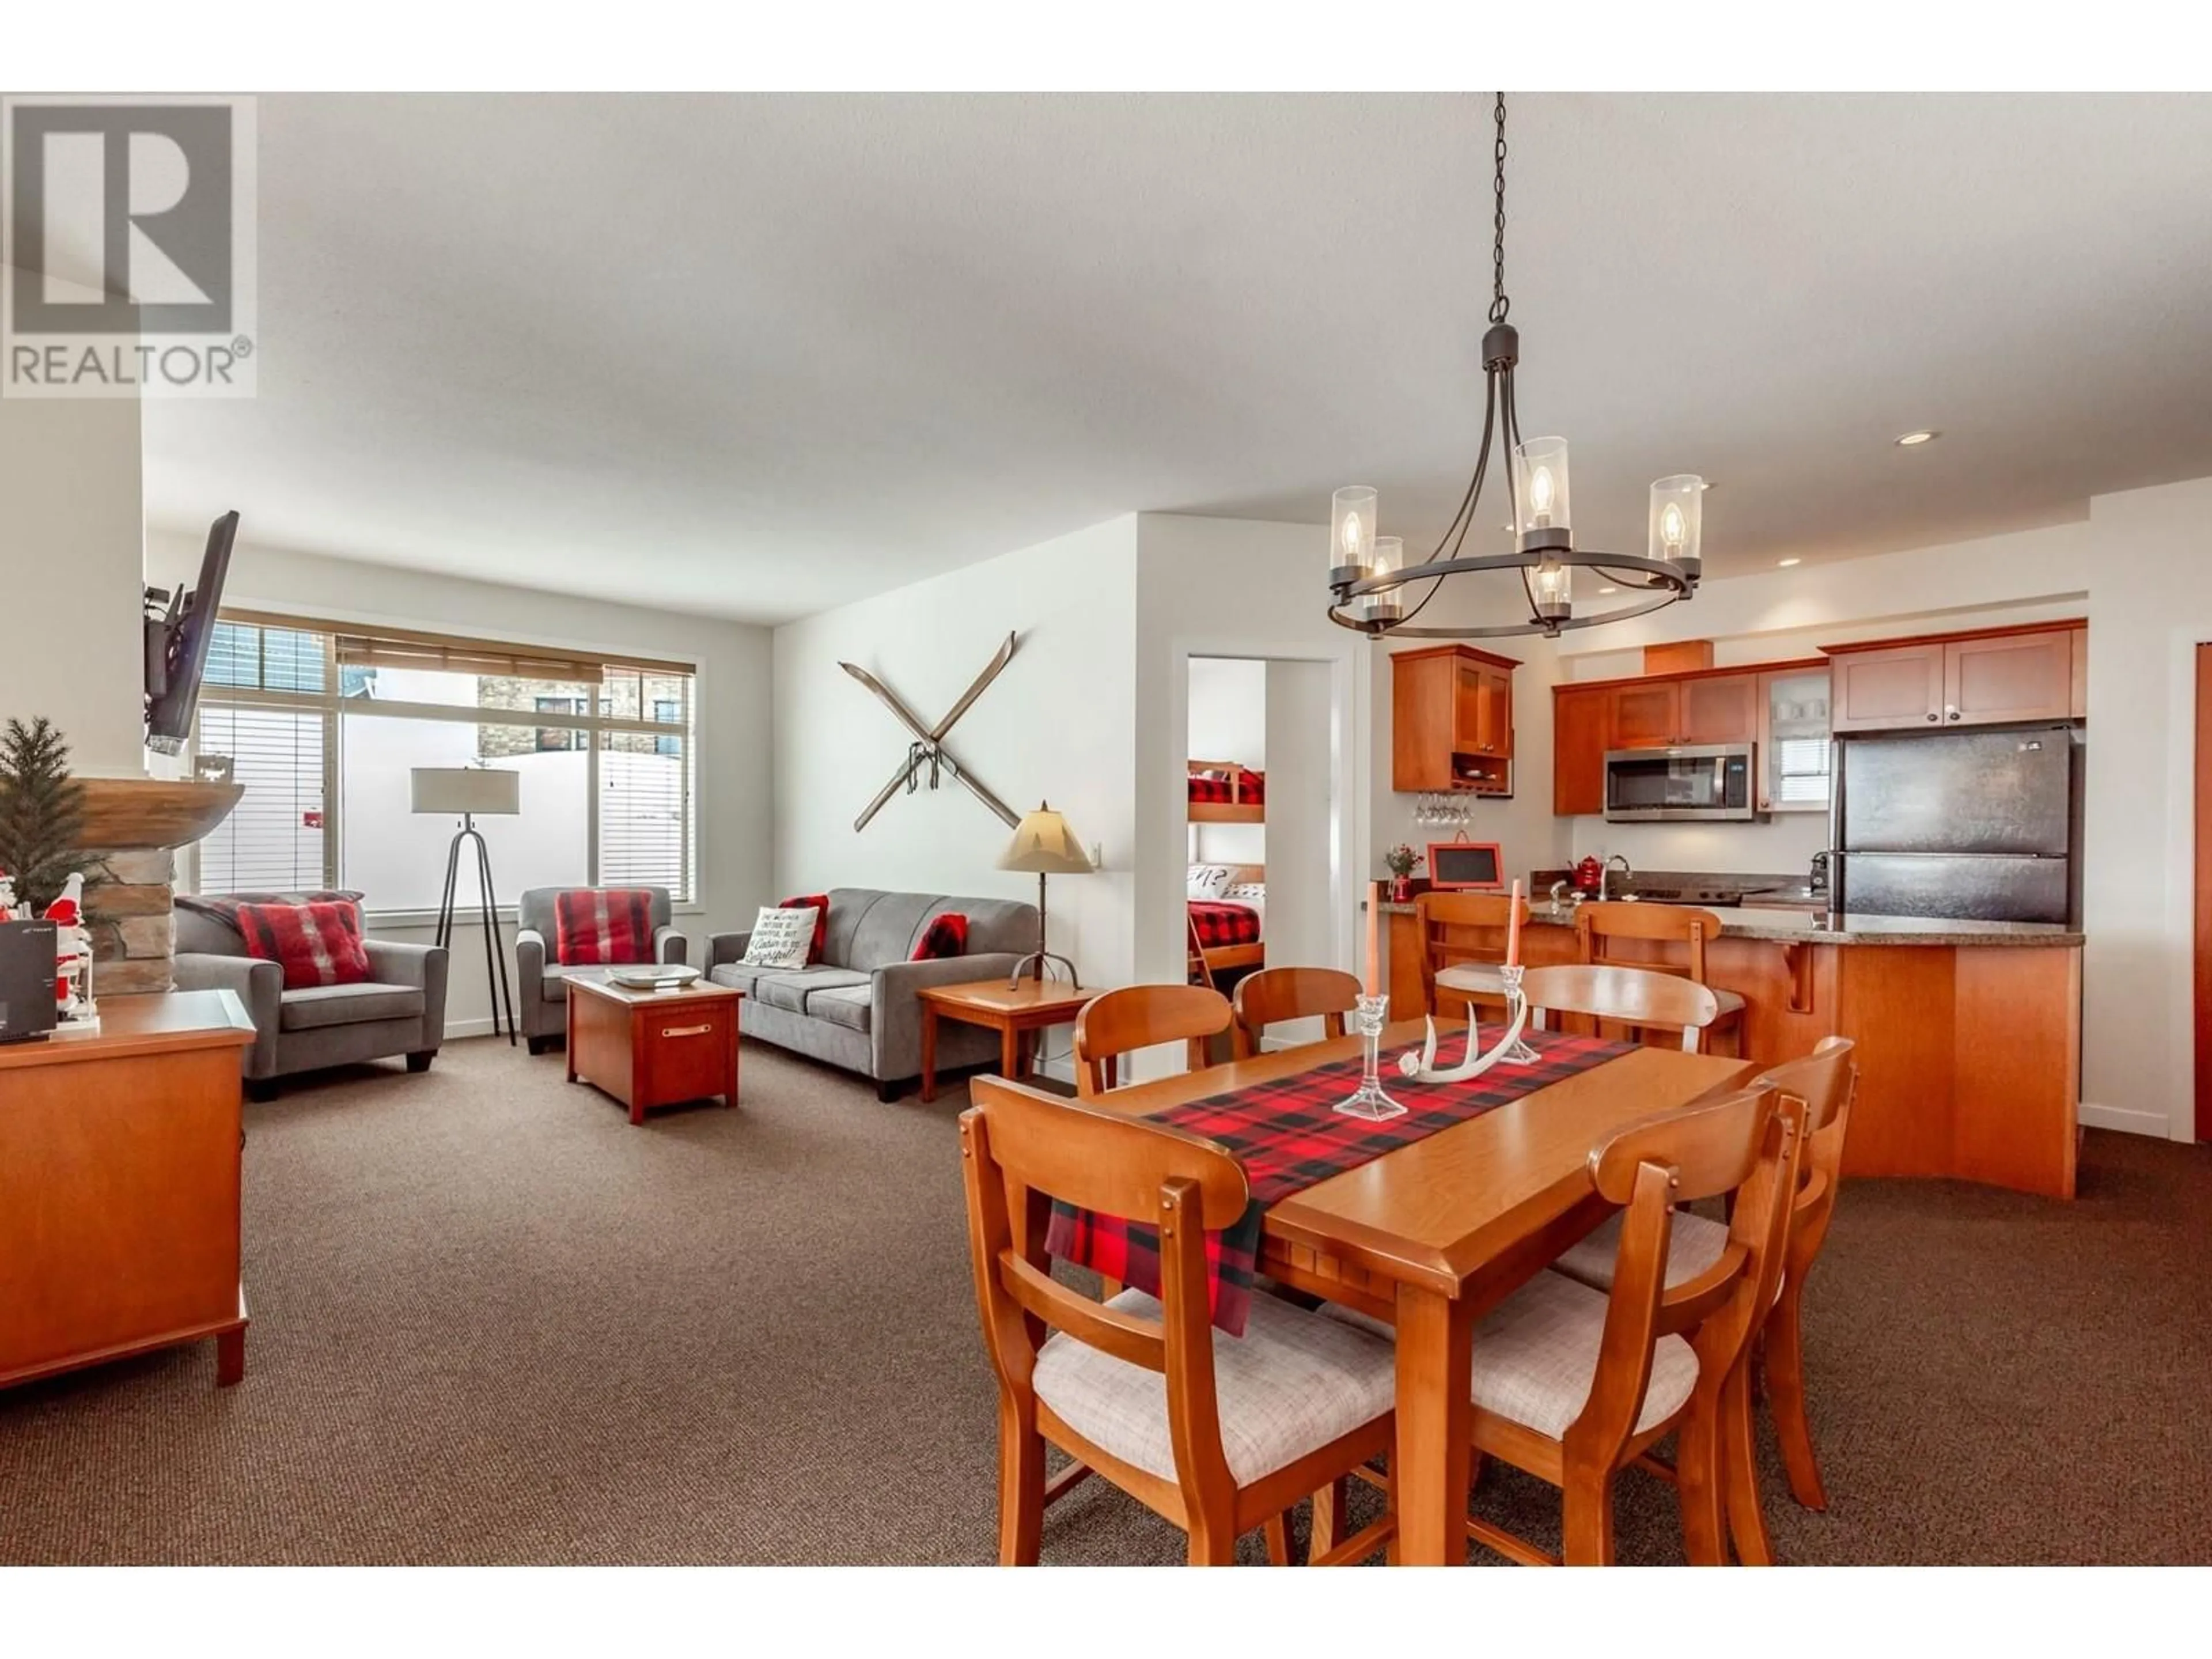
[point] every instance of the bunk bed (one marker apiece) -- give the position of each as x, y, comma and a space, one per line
1223, 932
1225, 792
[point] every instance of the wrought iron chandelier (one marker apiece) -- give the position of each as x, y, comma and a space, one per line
1368, 576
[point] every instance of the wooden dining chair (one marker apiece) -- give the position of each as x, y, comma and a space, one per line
1602, 929
1823, 1083
1467, 932
1276, 994
1216, 1434
1573, 1385
1137, 1016
1637, 998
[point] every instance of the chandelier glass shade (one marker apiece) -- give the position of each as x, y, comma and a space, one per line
1374, 589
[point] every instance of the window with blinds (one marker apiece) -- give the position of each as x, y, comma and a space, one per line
1801, 772
322, 724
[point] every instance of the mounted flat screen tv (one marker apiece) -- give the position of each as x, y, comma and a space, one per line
179, 627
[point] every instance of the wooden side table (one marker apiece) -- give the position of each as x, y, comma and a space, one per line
651, 1049
1030, 1007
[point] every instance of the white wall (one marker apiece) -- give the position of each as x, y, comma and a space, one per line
1301, 928
1239, 587
733, 663
71, 554
1228, 722
1058, 724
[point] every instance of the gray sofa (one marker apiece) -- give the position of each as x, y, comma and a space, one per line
401, 1010
857, 1008
541, 995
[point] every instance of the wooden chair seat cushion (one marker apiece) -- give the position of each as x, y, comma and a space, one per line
1294, 1383
1537, 1352
1693, 1244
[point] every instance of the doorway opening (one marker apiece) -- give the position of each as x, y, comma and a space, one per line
1261, 825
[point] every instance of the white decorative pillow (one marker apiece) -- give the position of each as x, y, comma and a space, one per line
1205, 881
1246, 889
780, 936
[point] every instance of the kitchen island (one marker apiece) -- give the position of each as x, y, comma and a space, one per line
1969, 1033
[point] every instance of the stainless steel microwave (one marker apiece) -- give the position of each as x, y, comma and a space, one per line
1682, 784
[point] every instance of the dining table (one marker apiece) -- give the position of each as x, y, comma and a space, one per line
1434, 1234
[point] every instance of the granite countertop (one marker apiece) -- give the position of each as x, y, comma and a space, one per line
1784, 927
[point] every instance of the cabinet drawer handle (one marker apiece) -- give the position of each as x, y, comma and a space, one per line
686, 1030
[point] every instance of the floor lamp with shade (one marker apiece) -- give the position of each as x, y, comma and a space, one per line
1043, 842
470, 791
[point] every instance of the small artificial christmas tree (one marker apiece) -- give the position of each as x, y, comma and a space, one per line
41, 812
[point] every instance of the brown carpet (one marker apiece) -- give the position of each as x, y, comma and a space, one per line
493, 1322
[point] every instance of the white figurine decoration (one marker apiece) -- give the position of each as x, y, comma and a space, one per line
7, 900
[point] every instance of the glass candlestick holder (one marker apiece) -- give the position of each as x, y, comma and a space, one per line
1517, 1053
1369, 1016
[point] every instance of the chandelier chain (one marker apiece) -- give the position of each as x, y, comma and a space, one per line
1499, 305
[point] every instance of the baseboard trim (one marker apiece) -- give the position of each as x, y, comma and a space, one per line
2125, 1121
471, 1028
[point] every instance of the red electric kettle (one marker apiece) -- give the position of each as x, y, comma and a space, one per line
1589, 876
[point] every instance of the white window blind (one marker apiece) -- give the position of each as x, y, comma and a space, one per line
273, 840
1802, 772
321, 723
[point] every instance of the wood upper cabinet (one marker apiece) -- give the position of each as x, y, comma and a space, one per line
2017, 677
1970, 679
1875, 690
1720, 709
1582, 731
1647, 716
1451, 720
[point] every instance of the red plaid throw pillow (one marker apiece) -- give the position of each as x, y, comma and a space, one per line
945, 936
819, 904
316, 943
606, 925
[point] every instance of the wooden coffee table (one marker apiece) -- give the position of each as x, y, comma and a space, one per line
650, 1048
1029, 1007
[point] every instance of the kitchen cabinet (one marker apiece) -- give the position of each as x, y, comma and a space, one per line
1582, 731
2019, 677
1719, 709
1452, 721
1983, 678
1885, 689
1793, 751
1646, 714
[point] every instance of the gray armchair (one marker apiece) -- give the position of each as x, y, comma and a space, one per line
400, 1010
541, 995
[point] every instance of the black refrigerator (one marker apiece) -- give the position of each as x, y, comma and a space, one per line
1979, 825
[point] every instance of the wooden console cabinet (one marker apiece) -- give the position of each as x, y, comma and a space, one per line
119, 1172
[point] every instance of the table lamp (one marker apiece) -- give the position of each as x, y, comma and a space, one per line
469, 790
1043, 842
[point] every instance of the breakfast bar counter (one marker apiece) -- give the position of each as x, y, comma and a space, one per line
1969, 1032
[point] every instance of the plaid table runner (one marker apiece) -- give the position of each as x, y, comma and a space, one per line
1288, 1139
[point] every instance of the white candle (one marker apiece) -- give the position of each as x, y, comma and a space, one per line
1513, 928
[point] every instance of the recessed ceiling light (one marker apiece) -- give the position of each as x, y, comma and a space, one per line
1786, 564
1608, 590
1914, 439
1709, 484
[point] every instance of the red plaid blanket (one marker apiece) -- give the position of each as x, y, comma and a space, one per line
1245, 789
1224, 924
1288, 1139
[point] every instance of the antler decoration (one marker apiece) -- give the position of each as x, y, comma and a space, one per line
1508, 1050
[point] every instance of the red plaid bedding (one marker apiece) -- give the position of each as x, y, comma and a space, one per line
1246, 789
1288, 1139
1220, 924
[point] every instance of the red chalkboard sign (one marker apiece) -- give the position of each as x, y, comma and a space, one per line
1471, 865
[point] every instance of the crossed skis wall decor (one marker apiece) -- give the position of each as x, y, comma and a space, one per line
927, 749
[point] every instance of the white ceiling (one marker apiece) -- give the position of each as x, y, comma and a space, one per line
757, 356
